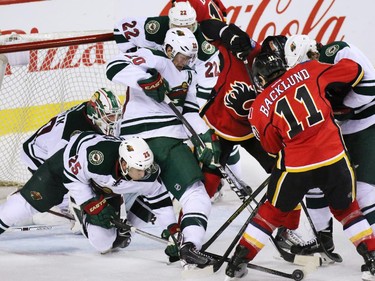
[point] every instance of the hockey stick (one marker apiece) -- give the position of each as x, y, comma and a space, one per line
122, 225
287, 256
117, 224
235, 214
251, 76
234, 185
36, 227
295, 275
326, 254
224, 258
314, 261
61, 215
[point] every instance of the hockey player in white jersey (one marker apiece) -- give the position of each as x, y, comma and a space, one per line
131, 33
150, 75
100, 114
95, 169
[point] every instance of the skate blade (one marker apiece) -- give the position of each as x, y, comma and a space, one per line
332, 258
227, 278
367, 276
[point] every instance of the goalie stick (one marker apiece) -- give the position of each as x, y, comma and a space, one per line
35, 227
116, 223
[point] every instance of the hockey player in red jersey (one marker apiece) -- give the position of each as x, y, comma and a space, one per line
229, 104
292, 118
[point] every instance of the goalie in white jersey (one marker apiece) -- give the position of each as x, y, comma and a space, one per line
101, 113
150, 75
95, 169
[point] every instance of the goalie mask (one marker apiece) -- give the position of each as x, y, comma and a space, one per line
182, 14
138, 157
104, 110
181, 41
297, 49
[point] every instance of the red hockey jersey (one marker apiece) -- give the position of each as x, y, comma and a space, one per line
210, 9
228, 113
293, 118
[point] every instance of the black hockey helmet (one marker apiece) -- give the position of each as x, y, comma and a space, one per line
267, 67
275, 44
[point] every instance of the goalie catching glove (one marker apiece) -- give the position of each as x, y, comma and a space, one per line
99, 212
156, 87
209, 154
174, 237
237, 41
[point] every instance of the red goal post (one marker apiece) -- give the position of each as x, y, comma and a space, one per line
40, 76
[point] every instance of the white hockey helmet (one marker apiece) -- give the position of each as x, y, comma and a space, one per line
182, 14
297, 47
183, 41
138, 155
104, 110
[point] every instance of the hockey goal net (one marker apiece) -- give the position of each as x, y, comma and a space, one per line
43, 75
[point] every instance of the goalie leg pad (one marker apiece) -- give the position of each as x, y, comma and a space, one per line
16, 211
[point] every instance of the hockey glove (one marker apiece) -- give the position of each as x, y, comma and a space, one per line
336, 98
174, 236
210, 154
237, 41
99, 212
156, 87
123, 238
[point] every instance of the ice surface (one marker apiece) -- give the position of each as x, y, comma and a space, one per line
57, 254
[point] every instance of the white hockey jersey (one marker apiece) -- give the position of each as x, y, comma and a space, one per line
91, 162
54, 135
361, 97
145, 117
139, 32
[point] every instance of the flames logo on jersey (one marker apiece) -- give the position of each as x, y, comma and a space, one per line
239, 98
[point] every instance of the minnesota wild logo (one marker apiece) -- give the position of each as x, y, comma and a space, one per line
208, 48
96, 157
332, 50
152, 27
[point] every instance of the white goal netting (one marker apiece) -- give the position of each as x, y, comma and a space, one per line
52, 73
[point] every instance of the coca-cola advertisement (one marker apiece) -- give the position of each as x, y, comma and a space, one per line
324, 20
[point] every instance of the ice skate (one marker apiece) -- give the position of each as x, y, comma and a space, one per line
287, 238
237, 266
191, 257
